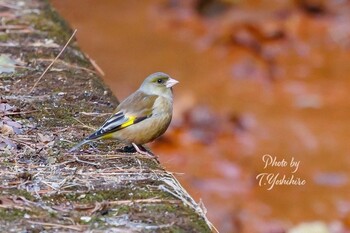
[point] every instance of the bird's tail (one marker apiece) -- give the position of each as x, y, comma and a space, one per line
79, 145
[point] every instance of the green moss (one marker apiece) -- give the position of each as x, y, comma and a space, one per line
61, 115
124, 209
5, 154
150, 164
50, 22
4, 37
165, 213
196, 222
18, 192
125, 193
11, 214
53, 214
176, 218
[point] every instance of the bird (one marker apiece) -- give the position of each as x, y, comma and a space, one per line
140, 118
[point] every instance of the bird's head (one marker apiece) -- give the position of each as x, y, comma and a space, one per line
158, 84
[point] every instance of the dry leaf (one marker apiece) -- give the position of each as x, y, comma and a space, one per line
4, 107
45, 138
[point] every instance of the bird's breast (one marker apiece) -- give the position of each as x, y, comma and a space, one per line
150, 128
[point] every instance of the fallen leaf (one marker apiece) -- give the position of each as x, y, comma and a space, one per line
45, 138
4, 107
6, 143
6, 130
13, 124
13, 203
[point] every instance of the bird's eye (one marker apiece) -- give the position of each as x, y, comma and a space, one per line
160, 81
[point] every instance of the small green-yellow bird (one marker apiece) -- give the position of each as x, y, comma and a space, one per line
142, 117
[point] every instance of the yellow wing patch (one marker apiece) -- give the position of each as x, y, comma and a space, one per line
129, 122
107, 136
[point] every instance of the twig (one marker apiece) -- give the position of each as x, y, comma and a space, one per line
149, 200
9, 27
28, 144
97, 67
17, 113
47, 69
10, 44
26, 98
15, 207
9, 6
84, 161
63, 163
96, 114
16, 66
46, 183
85, 126
68, 65
54, 225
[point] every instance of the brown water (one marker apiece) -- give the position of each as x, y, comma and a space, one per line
235, 104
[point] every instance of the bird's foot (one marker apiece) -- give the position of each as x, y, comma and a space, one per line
140, 149
127, 149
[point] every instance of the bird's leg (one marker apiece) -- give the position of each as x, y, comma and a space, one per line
142, 150
127, 149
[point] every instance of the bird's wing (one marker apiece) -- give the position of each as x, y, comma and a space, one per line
132, 110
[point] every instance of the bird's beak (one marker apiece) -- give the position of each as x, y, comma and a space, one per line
171, 82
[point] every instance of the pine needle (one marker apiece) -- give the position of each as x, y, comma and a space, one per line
51, 64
